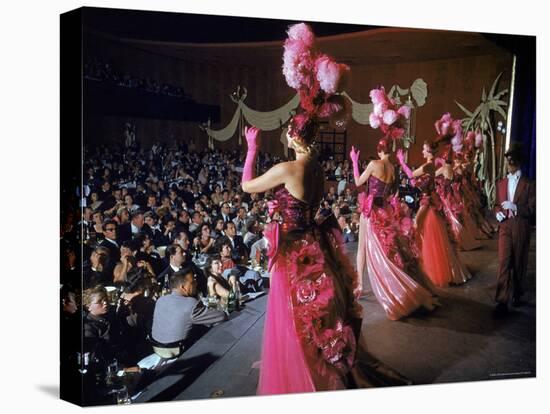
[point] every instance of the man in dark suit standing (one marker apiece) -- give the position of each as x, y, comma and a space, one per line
515, 204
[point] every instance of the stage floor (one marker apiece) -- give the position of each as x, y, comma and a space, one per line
459, 341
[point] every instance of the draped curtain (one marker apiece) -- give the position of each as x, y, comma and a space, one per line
271, 120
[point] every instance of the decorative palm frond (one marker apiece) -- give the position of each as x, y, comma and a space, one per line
481, 119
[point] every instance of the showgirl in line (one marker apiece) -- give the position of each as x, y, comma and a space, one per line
438, 258
468, 187
452, 202
384, 239
313, 321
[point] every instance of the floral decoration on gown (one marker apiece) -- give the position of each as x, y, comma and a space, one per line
386, 235
450, 194
312, 320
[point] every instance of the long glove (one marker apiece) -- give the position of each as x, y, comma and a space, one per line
252, 135
401, 158
354, 155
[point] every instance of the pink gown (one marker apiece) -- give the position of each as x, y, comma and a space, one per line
313, 322
385, 246
438, 258
452, 201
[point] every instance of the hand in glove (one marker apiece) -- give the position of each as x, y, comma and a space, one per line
508, 205
252, 135
354, 155
401, 158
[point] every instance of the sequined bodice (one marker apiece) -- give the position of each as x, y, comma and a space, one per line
296, 214
379, 190
425, 183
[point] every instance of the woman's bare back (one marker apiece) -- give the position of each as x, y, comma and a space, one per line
305, 180
384, 170
446, 171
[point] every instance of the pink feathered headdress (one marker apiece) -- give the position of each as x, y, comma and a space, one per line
450, 129
386, 115
316, 77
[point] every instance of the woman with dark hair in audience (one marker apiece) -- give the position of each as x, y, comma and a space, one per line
95, 202
216, 196
128, 250
135, 314
217, 285
97, 219
217, 231
204, 242
148, 254
95, 272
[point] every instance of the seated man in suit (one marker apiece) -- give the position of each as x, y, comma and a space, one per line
239, 250
176, 257
150, 220
182, 224
176, 314
240, 221
225, 213
347, 233
110, 243
136, 225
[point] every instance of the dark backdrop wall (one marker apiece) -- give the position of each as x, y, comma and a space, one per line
210, 73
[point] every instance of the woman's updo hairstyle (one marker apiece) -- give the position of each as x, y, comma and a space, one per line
304, 127
432, 146
384, 145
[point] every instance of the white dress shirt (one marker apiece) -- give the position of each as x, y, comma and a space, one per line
510, 209
513, 180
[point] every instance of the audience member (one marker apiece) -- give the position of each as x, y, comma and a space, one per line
176, 315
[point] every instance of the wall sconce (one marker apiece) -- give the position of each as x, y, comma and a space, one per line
501, 128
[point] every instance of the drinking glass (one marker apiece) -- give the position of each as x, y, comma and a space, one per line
111, 373
122, 396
